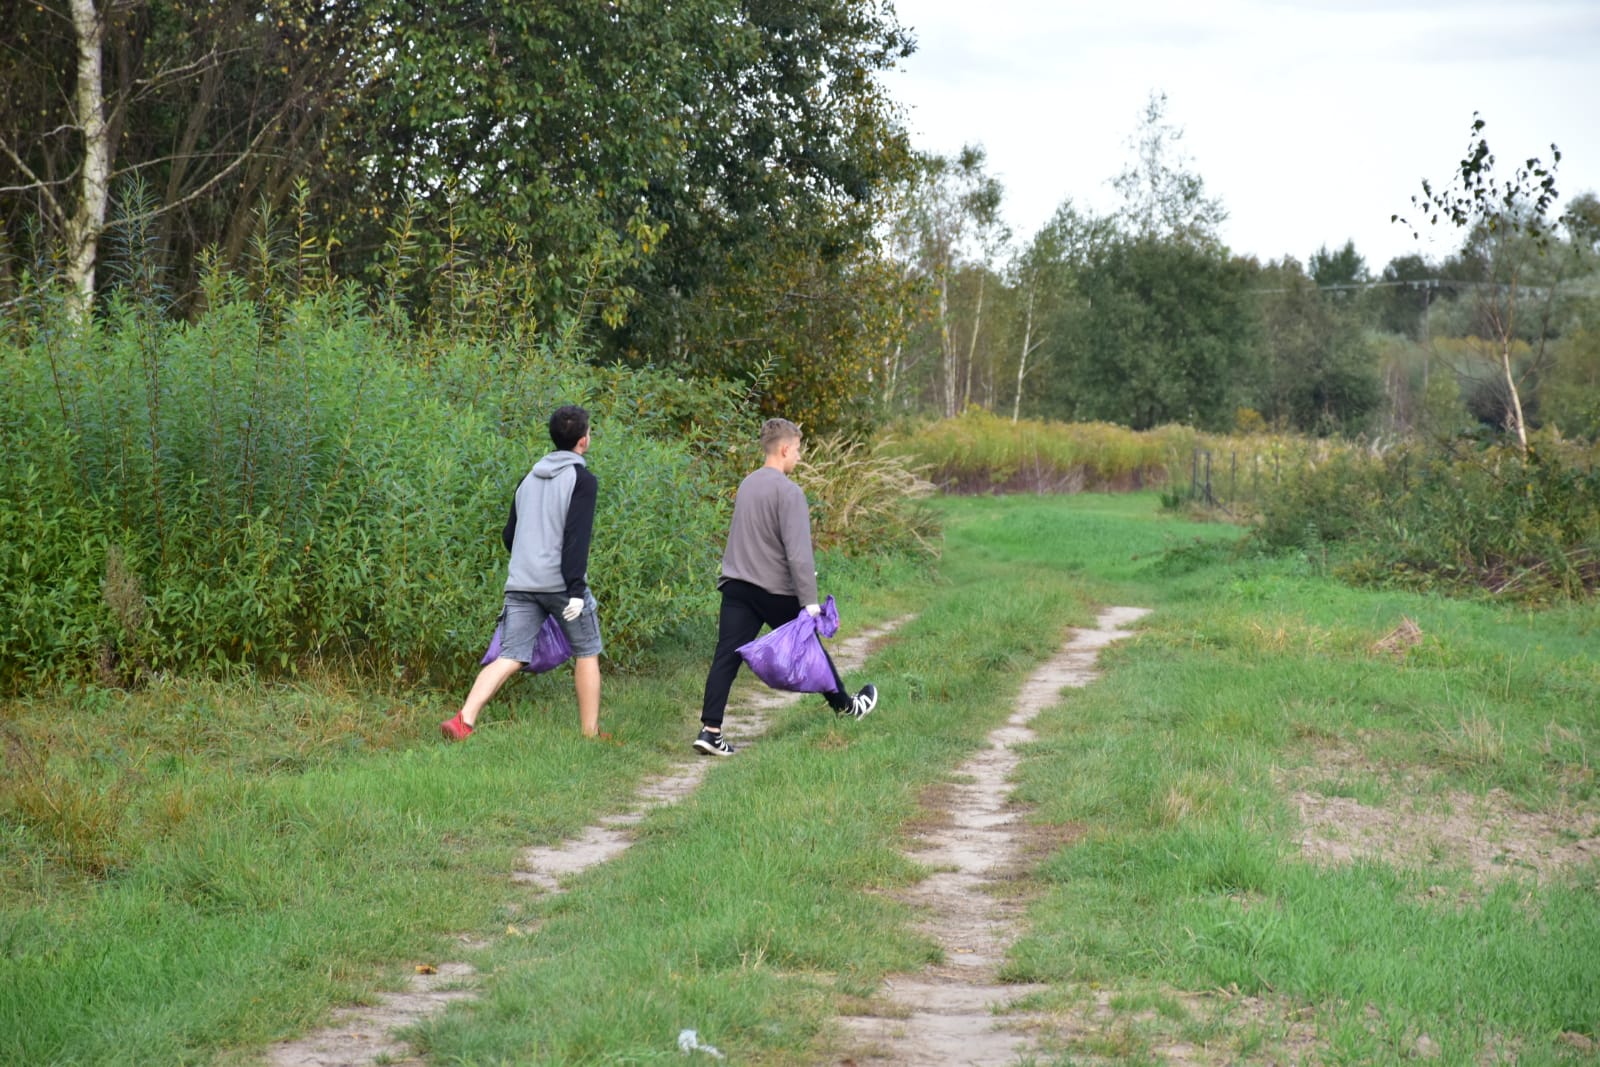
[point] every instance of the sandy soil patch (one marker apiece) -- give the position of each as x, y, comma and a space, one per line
1489, 835
364, 1034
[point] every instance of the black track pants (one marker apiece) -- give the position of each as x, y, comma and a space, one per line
745, 609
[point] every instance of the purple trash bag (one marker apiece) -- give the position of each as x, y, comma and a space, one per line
791, 657
550, 649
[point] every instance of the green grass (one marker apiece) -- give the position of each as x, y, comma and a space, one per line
1187, 875
241, 858
238, 902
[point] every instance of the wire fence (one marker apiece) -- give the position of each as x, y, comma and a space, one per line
1215, 480
1235, 482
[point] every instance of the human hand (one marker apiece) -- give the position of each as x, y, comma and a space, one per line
813, 610
573, 609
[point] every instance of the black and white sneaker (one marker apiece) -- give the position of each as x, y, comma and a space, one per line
712, 744
862, 703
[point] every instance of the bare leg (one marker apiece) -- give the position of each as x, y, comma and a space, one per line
586, 679
489, 681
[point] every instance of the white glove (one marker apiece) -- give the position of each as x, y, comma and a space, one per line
573, 609
813, 610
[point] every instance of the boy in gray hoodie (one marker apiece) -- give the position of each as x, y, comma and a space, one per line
548, 535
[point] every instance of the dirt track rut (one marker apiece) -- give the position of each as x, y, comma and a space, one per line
957, 1012
358, 1036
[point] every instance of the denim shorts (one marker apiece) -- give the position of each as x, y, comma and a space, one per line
525, 614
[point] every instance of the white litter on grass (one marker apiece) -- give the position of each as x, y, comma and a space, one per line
689, 1041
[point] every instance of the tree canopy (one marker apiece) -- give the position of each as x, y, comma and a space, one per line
669, 138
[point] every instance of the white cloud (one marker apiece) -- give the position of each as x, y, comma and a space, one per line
1312, 122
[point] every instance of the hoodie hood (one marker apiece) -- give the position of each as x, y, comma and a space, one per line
555, 463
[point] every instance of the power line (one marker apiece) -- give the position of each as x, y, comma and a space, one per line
1422, 284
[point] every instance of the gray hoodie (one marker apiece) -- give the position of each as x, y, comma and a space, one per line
551, 524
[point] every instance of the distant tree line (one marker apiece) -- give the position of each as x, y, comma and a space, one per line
1144, 317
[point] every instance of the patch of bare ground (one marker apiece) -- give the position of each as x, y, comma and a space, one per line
1095, 1025
367, 1034
958, 1011
1490, 835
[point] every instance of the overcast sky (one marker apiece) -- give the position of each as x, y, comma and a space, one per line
1312, 122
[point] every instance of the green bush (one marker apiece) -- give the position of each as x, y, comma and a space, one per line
268, 486
1524, 527
1488, 521
1330, 501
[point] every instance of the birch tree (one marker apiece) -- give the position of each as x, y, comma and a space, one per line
89, 218
1510, 224
1163, 199
952, 221
1043, 280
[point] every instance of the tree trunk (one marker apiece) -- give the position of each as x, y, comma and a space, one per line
1022, 358
89, 218
947, 346
1505, 327
1516, 397
891, 374
972, 347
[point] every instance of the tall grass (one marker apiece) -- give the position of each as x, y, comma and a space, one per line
279, 484
866, 498
979, 452
1487, 521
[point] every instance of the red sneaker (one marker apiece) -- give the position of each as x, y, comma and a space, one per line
454, 729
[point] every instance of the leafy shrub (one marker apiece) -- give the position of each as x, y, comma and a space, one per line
1330, 501
657, 539
1489, 521
271, 485
1525, 527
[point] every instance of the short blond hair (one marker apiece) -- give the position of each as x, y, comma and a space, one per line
775, 432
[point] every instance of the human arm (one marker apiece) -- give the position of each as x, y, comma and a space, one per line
794, 527
508, 535
576, 535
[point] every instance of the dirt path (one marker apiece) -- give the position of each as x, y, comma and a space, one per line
947, 1014
363, 1035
